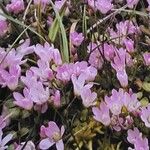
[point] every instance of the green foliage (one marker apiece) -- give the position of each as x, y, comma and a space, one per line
58, 23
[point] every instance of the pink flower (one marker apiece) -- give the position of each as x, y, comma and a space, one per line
10, 69
38, 93
95, 58
129, 60
119, 66
145, 115
42, 108
117, 123
2, 122
24, 48
56, 98
123, 29
30, 79
48, 53
76, 38
41, 1
141, 143
114, 103
112, 110
60, 3
23, 101
102, 114
126, 27
78, 83
131, 102
90, 73
9, 59
88, 97
3, 27
109, 51
104, 5
91, 3
10, 78
146, 56
43, 71
5, 140
49, 21
123, 78
16, 6
114, 35
135, 137
52, 135
131, 3
129, 45
148, 1
64, 72
80, 67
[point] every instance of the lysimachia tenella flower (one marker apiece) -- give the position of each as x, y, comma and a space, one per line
5, 140
148, 1
95, 58
136, 138
104, 5
23, 101
129, 44
119, 64
66, 71
88, 97
102, 114
43, 71
10, 64
145, 115
132, 3
3, 25
76, 38
111, 111
51, 135
146, 57
16, 6
48, 53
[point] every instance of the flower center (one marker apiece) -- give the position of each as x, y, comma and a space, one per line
56, 136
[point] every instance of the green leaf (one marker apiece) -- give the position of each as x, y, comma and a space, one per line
15, 112
146, 86
139, 95
24, 131
54, 28
65, 51
25, 114
144, 101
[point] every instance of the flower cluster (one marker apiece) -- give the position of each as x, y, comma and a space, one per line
37, 90
135, 138
116, 110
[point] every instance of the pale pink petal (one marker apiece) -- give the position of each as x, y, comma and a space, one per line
45, 144
6, 139
60, 145
62, 130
